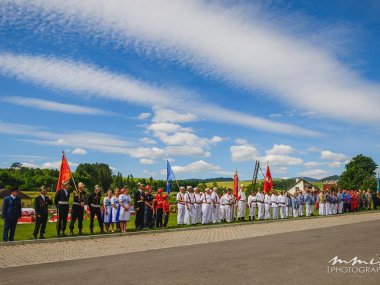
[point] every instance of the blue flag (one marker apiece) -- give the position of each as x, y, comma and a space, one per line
169, 176
378, 183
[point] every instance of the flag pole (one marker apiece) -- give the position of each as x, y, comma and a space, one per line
72, 177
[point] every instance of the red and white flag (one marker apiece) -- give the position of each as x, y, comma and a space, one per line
64, 172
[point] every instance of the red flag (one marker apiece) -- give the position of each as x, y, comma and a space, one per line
64, 172
236, 184
268, 182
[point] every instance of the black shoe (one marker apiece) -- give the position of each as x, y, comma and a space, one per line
92, 232
80, 233
64, 234
71, 233
34, 236
58, 234
102, 231
42, 237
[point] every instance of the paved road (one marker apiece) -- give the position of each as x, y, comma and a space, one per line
288, 258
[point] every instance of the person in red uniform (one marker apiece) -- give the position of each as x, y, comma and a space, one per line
159, 208
166, 209
354, 201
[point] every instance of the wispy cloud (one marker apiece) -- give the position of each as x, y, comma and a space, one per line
248, 49
53, 106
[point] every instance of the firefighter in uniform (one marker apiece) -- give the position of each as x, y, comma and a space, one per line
41, 207
61, 201
77, 210
94, 204
139, 204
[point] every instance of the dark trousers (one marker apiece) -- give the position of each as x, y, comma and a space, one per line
63, 212
139, 222
95, 212
166, 219
346, 207
159, 213
40, 225
148, 217
77, 213
9, 228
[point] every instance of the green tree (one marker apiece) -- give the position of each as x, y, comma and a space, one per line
94, 174
359, 173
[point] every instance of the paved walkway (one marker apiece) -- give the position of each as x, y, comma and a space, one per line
37, 253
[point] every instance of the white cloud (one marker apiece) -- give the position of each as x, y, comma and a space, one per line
335, 164
275, 159
164, 115
147, 140
312, 164
187, 150
240, 141
329, 155
315, 173
146, 161
49, 165
88, 80
223, 41
143, 116
240, 153
197, 166
279, 170
313, 149
80, 151
216, 139
280, 149
54, 106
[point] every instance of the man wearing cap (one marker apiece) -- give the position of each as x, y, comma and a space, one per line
198, 205
206, 206
181, 206
94, 204
260, 204
241, 203
148, 215
159, 202
295, 205
289, 207
139, 204
229, 202
282, 205
41, 207
215, 209
61, 201
77, 210
190, 206
10, 213
301, 199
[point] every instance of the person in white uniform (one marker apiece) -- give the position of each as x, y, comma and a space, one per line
125, 214
274, 204
252, 205
190, 213
181, 206
229, 205
198, 206
282, 205
206, 206
242, 201
215, 210
115, 208
223, 202
260, 204
107, 211
267, 201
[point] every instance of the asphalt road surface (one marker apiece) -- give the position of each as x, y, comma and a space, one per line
291, 258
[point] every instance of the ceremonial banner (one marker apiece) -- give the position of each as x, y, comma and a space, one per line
268, 182
236, 184
169, 176
64, 172
378, 183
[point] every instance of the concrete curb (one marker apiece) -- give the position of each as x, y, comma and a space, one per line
175, 229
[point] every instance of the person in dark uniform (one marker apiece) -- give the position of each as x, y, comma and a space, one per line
11, 212
139, 205
77, 210
41, 207
94, 204
61, 201
148, 215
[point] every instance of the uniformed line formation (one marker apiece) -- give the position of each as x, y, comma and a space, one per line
193, 207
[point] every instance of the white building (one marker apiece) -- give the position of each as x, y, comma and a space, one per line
302, 185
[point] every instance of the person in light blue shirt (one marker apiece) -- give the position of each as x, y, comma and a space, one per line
295, 205
301, 204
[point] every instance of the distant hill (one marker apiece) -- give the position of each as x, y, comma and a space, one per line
329, 178
310, 179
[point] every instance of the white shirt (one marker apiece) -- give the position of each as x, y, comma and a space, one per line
251, 201
260, 197
180, 197
206, 198
189, 197
242, 196
215, 198
267, 199
274, 201
282, 200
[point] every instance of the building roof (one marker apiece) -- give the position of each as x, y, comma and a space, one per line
6, 192
303, 180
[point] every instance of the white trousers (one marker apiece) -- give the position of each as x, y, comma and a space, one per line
206, 213
275, 213
283, 212
190, 214
340, 207
216, 213
198, 213
335, 208
252, 211
228, 211
309, 209
267, 211
241, 209
328, 209
322, 209
300, 210
180, 214
260, 211
295, 213
222, 212
289, 211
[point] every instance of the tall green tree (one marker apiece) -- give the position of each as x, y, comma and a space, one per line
94, 174
359, 174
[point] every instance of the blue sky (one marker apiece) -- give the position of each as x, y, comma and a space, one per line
210, 85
